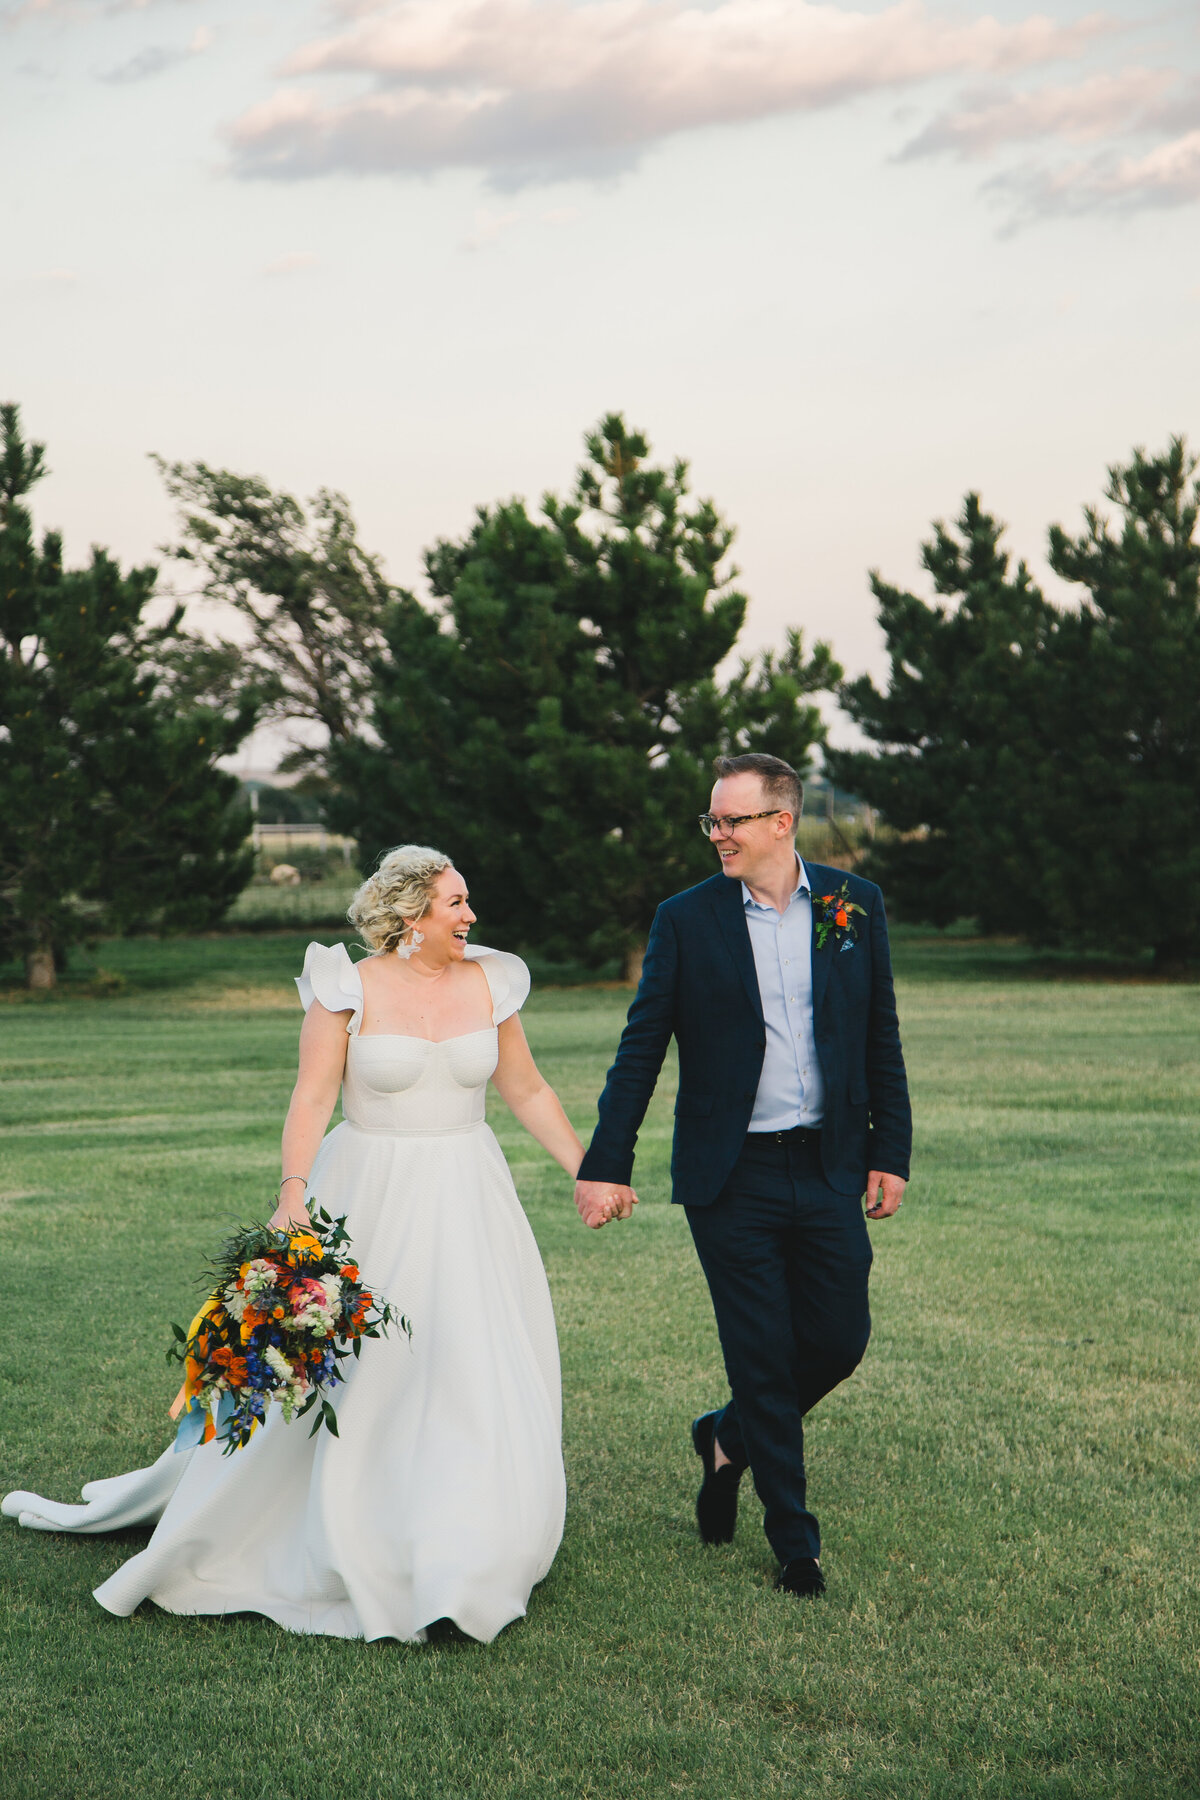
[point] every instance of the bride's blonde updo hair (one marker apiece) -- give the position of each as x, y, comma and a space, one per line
397, 894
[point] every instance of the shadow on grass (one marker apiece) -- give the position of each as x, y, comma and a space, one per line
957, 954
115, 967
118, 967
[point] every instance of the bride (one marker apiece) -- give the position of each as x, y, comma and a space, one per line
443, 1495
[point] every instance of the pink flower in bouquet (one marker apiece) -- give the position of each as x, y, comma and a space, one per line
287, 1310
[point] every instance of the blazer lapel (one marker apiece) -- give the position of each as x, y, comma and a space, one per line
731, 916
822, 960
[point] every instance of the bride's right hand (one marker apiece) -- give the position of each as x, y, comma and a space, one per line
290, 1213
284, 1220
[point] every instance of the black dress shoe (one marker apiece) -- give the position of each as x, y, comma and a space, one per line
802, 1576
716, 1503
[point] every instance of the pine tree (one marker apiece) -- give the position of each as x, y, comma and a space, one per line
1123, 775
1041, 765
113, 816
960, 733
552, 721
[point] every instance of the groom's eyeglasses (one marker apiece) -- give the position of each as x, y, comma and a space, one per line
713, 827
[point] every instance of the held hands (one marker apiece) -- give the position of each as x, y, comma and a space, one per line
884, 1194
599, 1201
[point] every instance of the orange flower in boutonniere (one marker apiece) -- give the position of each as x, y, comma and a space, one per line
832, 914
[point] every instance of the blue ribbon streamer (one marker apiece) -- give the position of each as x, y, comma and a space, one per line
194, 1418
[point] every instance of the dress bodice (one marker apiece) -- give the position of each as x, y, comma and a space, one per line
409, 1084
394, 1083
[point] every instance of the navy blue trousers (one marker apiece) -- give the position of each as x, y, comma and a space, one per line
787, 1261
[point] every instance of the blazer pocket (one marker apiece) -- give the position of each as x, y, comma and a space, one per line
695, 1106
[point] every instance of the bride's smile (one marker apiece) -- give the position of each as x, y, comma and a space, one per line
439, 937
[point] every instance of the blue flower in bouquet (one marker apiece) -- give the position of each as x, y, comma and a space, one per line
287, 1308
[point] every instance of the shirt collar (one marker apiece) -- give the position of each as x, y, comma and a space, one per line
803, 886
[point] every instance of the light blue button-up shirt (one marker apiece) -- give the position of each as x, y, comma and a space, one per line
790, 1089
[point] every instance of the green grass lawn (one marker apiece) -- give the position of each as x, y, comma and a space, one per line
1008, 1487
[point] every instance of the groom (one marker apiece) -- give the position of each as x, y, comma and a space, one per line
775, 979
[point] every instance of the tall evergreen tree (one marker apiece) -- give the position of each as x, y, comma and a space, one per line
1124, 770
957, 773
552, 721
1041, 765
113, 816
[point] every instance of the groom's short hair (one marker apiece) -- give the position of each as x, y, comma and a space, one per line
781, 785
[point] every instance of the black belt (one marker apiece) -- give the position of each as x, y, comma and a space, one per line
799, 1134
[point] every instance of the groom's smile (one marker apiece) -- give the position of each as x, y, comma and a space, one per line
748, 837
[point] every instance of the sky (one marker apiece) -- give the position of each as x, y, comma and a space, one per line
848, 260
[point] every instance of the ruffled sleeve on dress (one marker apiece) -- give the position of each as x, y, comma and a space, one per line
330, 977
507, 977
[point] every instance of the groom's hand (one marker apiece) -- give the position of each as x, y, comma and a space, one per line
599, 1201
884, 1194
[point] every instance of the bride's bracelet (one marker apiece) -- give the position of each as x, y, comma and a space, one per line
286, 1179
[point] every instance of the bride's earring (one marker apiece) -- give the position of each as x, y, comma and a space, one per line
415, 940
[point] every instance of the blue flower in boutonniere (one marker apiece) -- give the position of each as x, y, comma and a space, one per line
833, 914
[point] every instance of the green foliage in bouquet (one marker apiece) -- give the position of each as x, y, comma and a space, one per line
286, 1308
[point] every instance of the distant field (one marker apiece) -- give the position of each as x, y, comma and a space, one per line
1009, 1487
283, 908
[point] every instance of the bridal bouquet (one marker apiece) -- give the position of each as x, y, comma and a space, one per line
286, 1309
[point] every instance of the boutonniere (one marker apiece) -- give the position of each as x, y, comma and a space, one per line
833, 913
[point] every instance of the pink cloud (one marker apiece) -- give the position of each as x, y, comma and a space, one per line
1098, 107
1167, 175
529, 89
1120, 114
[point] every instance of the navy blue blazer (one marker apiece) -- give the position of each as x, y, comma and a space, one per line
699, 985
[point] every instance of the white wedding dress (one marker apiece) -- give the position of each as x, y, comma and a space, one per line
443, 1496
